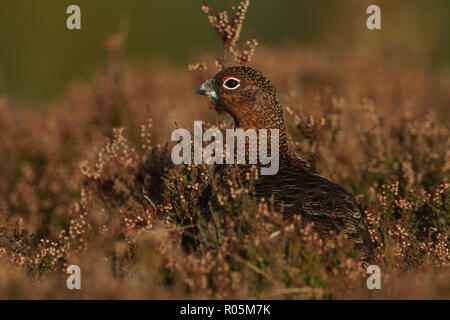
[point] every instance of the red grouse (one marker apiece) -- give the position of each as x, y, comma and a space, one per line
251, 99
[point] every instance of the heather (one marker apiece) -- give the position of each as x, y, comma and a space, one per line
88, 180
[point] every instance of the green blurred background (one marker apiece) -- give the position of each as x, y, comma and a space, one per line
39, 56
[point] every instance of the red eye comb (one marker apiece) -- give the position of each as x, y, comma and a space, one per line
229, 77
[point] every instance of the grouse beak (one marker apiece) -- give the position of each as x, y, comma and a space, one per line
207, 89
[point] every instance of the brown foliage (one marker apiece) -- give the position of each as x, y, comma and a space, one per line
88, 180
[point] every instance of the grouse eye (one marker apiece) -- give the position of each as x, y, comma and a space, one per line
231, 83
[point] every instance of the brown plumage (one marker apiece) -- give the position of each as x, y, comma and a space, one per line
251, 99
